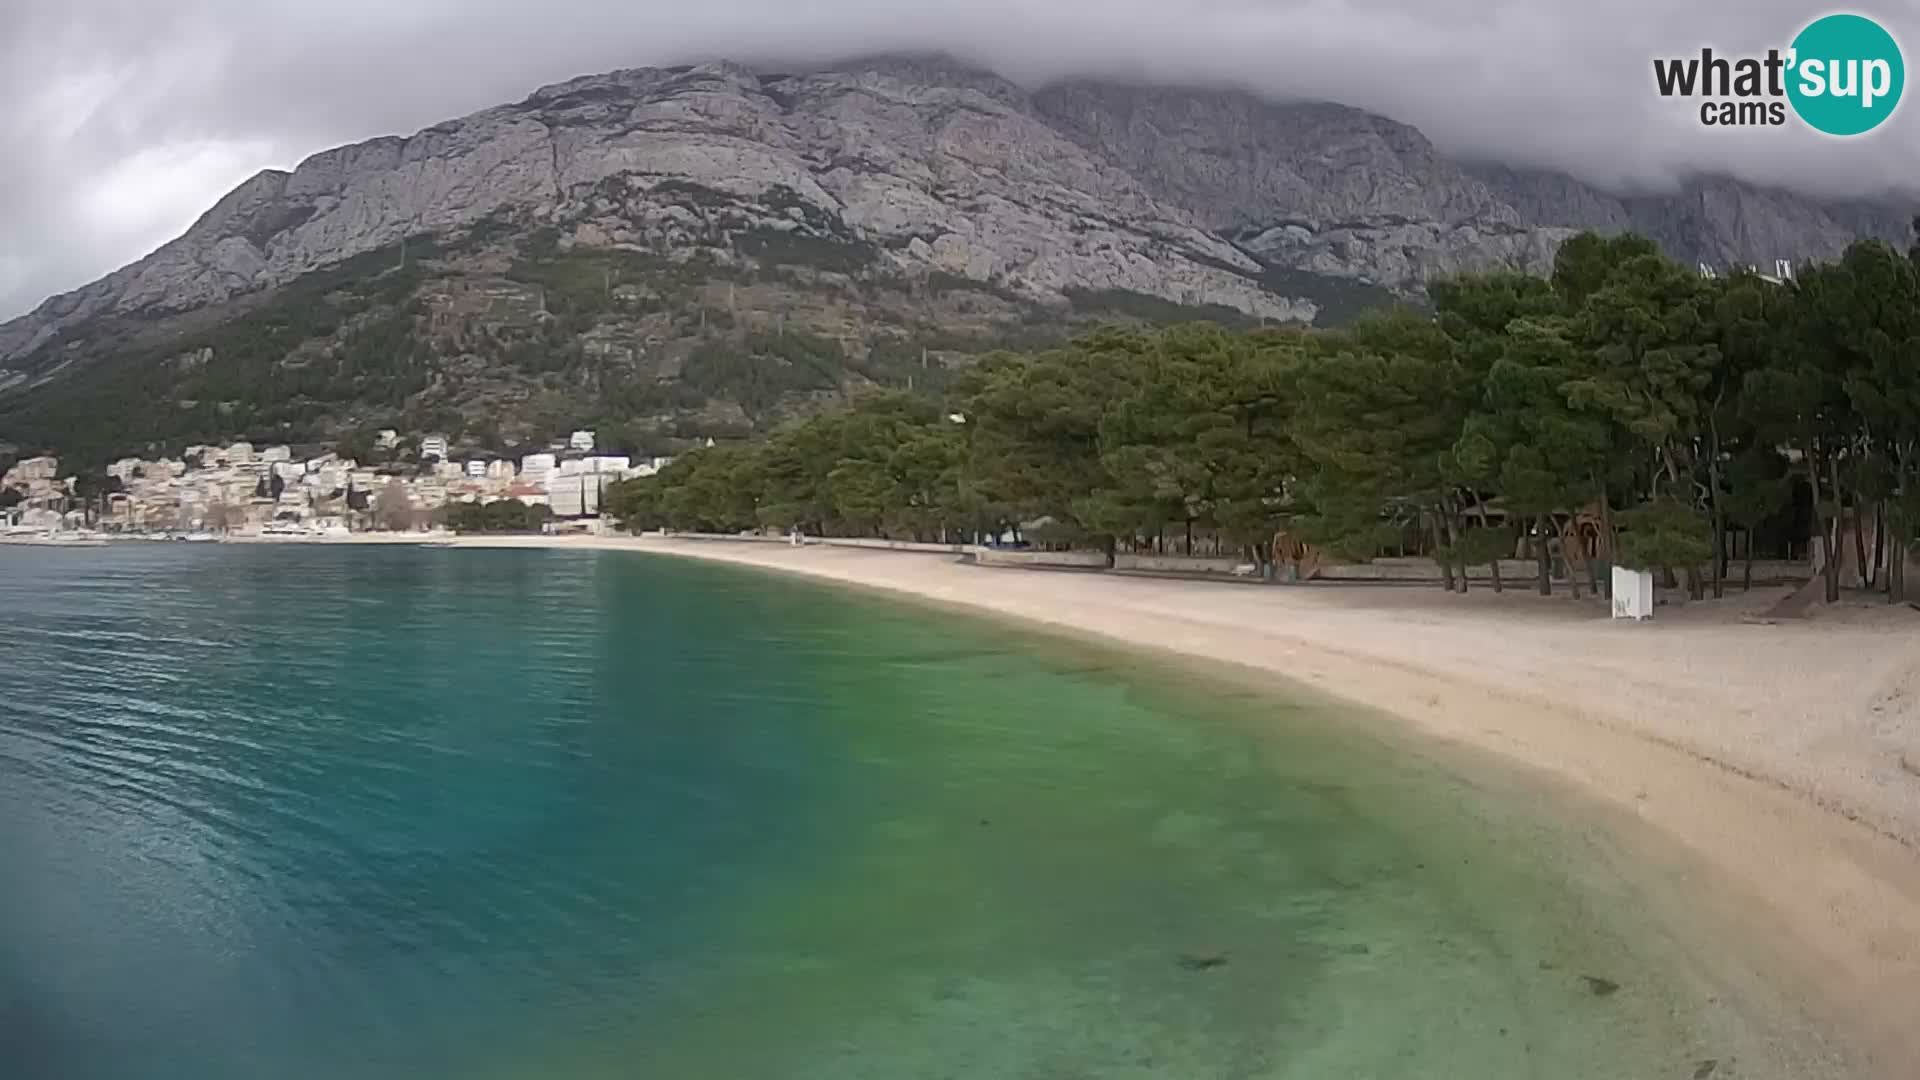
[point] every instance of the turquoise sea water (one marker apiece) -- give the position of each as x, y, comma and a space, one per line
336, 813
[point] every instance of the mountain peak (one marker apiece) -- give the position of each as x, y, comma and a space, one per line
1223, 159
880, 181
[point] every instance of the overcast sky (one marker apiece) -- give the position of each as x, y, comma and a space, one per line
122, 120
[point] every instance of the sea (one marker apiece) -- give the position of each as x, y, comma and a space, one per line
292, 812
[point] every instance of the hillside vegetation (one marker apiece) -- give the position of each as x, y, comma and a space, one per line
510, 341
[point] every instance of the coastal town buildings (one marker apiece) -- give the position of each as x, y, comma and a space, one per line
32, 475
243, 488
43, 494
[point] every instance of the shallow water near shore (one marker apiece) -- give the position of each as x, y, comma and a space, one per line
370, 813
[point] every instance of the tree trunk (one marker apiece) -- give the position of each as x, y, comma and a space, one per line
1480, 508
1901, 552
1439, 553
1569, 550
1829, 572
1896, 572
1605, 587
1901, 546
1718, 568
1833, 533
1860, 545
1453, 536
1543, 558
1719, 516
1880, 549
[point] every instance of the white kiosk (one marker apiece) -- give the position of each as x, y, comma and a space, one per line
1632, 594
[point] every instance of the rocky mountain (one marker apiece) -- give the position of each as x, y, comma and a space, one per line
1713, 220
690, 251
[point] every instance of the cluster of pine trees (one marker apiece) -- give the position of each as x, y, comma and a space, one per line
1627, 409
499, 516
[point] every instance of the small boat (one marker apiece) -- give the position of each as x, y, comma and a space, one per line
201, 538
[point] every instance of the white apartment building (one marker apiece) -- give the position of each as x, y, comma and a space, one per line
24, 473
477, 469
578, 494
582, 441
535, 468
434, 446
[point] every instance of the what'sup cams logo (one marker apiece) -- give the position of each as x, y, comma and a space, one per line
1843, 75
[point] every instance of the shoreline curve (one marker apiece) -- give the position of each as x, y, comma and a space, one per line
1791, 864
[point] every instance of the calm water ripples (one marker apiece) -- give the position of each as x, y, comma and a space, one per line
312, 812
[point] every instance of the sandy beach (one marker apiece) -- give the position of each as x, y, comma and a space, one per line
1775, 766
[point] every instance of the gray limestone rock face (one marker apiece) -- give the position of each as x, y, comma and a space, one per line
926, 166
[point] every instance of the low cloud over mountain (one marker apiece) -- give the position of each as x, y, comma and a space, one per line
126, 119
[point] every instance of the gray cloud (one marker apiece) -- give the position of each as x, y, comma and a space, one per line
124, 119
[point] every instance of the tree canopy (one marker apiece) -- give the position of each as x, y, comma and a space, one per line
1625, 409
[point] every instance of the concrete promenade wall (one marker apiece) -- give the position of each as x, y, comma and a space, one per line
1176, 564
1074, 560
